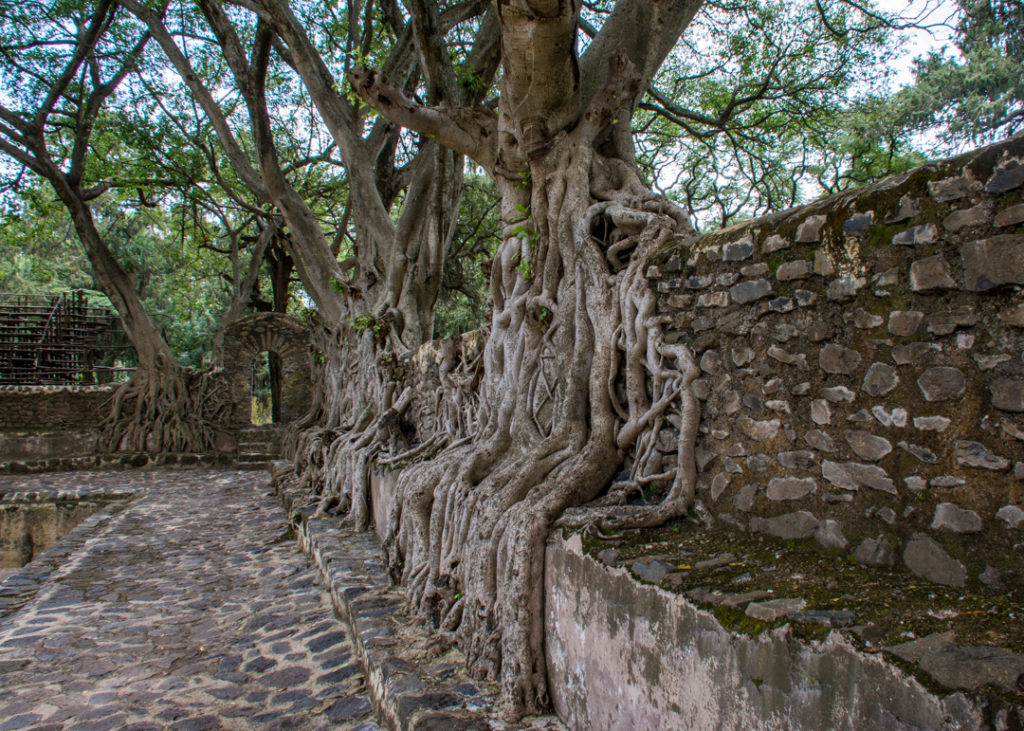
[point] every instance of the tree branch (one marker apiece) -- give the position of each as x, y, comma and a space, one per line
470, 132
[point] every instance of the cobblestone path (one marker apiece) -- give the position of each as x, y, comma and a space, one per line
191, 608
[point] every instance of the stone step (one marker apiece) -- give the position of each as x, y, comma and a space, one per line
411, 684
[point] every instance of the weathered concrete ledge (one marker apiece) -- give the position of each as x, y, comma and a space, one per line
626, 655
622, 654
21, 586
415, 680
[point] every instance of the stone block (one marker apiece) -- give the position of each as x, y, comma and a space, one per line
1012, 515
868, 446
790, 526
1008, 394
792, 270
836, 394
949, 189
971, 668
875, 552
791, 488
819, 440
744, 498
758, 430
914, 650
821, 414
925, 234
1010, 216
920, 453
1006, 178
913, 352
836, 359
809, 231
774, 243
954, 519
797, 459
798, 360
738, 250
741, 354
930, 274
976, 454
897, 417
750, 291
829, 534
880, 379
942, 383
804, 298
856, 224
993, 262
862, 319
907, 209
966, 218
774, 609
915, 483
927, 559
854, 475
844, 288
946, 322
931, 423
713, 299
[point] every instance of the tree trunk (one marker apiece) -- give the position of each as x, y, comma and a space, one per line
577, 377
163, 407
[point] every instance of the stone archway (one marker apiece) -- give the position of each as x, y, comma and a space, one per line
246, 339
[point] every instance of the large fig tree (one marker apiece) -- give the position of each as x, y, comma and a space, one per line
59, 68
576, 371
376, 295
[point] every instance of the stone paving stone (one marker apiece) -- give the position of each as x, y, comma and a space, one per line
187, 608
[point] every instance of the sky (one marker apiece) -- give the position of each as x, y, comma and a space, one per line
936, 18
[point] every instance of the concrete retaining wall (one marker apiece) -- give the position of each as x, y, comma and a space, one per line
626, 655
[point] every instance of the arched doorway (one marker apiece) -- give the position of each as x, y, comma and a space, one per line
267, 364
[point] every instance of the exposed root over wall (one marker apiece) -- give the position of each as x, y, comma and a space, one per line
577, 380
167, 409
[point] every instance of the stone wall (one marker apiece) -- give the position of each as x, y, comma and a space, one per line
862, 368
52, 408
40, 425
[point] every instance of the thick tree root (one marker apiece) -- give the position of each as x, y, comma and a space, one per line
577, 379
167, 409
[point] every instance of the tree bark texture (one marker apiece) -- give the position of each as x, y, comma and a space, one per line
576, 378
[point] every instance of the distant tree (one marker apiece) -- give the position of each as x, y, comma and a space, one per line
977, 94
766, 104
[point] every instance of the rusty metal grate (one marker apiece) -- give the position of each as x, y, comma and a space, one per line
59, 339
